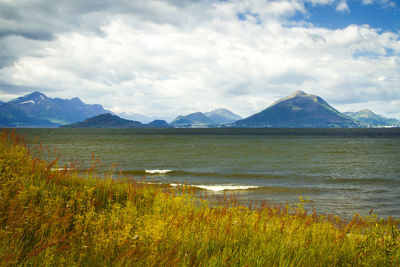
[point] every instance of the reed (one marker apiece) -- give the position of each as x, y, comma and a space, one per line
53, 215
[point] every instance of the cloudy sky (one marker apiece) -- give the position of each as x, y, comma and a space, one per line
164, 58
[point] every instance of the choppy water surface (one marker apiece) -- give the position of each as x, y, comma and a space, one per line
341, 171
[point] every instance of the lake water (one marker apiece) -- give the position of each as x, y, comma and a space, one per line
341, 171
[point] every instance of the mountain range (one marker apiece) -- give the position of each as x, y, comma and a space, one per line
369, 119
215, 118
299, 110
108, 120
136, 117
38, 110
222, 116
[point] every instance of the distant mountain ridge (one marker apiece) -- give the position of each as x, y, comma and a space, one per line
222, 116
299, 110
136, 117
196, 120
158, 124
11, 116
368, 118
108, 120
38, 110
215, 118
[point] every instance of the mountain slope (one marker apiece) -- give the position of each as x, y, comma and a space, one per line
369, 119
196, 119
158, 124
299, 110
222, 116
136, 117
37, 108
11, 116
106, 120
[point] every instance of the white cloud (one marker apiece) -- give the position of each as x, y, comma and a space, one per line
321, 2
163, 58
383, 3
342, 7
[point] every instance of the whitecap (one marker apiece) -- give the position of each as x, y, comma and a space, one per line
60, 169
218, 188
158, 171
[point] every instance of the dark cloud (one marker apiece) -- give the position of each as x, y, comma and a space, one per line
43, 20
11, 89
9, 12
293, 78
13, 47
36, 20
240, 89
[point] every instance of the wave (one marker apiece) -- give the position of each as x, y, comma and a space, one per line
157, 171
147, 172
60, 169
243, 187
200, 174
218, 188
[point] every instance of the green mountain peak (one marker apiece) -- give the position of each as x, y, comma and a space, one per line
298, 110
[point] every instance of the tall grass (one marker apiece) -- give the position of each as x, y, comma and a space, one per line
51, 216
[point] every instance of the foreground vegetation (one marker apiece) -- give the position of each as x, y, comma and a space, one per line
51, 216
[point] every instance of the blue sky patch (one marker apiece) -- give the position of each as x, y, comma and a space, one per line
248, 15
376, 16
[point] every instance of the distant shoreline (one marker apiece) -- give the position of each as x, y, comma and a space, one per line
339, 132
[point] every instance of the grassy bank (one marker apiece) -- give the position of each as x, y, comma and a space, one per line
51, 217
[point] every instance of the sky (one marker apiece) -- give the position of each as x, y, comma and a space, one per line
167, 58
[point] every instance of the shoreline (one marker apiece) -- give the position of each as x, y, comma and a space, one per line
339, 132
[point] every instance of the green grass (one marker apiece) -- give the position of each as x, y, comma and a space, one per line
75, 218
